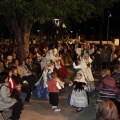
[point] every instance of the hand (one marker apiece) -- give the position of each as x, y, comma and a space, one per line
83, 86
70, 82
15, 100
19, 89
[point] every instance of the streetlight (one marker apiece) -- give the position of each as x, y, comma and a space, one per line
71, 33
38, 31
57, 24
109, 15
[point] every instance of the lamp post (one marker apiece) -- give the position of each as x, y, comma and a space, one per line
57, 24
71, 33
109, 15
38, 31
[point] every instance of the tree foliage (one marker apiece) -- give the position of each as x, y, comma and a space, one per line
101, 5
21, 14
44, 10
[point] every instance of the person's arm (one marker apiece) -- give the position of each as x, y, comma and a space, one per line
100, 85
85, 87
70, 83
5, 95
76, 66
58, 86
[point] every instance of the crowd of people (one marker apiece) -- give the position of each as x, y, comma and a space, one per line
45, 70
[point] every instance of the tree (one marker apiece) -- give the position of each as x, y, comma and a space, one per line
21, 14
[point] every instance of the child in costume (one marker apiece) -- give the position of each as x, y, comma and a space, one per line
53, 88
78, 96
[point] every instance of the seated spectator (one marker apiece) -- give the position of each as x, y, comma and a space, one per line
9, 58
107, 81
1, 66
31, 66
6, 64
24, 86
34, 67
20, 70
6, 101
107, 88
13, 56
1, 57
107, 111
28, 75
15, 86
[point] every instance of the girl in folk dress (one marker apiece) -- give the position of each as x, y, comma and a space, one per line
78, 96
81, 65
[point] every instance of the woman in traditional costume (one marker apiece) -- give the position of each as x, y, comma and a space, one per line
59, 66
88, 71
41, 90
66, 58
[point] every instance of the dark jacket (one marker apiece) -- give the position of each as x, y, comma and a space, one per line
116, 76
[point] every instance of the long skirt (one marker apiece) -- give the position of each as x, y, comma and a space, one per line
78, 99
40, 91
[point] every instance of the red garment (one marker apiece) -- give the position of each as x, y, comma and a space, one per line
61, 72
71, 52
52, 86
13, 85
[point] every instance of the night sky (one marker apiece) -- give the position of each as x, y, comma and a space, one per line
91, 28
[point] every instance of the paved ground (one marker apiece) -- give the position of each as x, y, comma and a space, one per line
41, 110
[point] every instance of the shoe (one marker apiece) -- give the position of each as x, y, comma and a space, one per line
57, 110
54, 107
79, 109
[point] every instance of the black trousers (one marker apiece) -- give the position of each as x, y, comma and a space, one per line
53, 98
30, 79
27, 90
17, 108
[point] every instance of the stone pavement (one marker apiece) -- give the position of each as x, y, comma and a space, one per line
41, 109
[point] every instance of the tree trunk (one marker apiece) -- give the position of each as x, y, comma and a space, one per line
22, 35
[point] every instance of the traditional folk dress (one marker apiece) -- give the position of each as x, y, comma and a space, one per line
86, 72
60, 70
41, 90
59, 66
78, 52
86, 64
67, 58
78, 96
